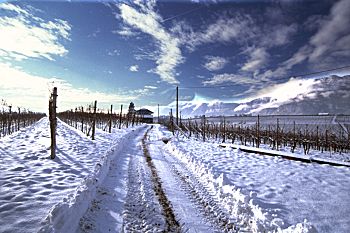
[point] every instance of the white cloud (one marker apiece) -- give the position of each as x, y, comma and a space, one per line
241, 30
113, 52
11, 7
276, 35
283, 93
151, 87
238, 29
147, 20
60, 28
325, 41
134, 68
230, 78
21, 38
24, 90
223, 30
215, 63
94, 34
258, 58
125, 31
298, 57
330, 45
288, 90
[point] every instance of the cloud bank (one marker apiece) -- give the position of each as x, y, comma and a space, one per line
24, 35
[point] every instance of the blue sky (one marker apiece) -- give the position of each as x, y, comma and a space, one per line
122, 51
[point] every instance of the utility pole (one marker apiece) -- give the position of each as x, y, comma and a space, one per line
158, 113
177, 105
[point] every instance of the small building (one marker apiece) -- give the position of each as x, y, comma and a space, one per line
145, 115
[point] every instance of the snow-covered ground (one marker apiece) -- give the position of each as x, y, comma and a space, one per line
146, 180
288, 192
31, 183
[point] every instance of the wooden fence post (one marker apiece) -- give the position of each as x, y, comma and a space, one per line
82, 119
204, 128
277, 136
18, 118
9, 121
133, 119
120, 116
110, 120
258, 132
94, 121
172, 121
53, 121
224, 134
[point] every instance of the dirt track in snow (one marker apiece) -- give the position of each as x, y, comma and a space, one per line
155, 193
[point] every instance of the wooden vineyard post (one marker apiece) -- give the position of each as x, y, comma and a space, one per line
53, 121
224, 134
82, 119
277, 134
75, 118
317, 145
110, 120
204, 128
326, 140
94, 122
177, 105
294, 138
120, 116
258, 133
133, 119
9, 121
18, 118
172, 121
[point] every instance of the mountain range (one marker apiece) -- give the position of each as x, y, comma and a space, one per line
298, 96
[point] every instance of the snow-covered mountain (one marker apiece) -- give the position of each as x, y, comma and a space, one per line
312, 96
208, 109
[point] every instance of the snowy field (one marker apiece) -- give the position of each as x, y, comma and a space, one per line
143, 179
288, 191
31, 183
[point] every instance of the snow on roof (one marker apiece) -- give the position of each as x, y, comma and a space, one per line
144, 111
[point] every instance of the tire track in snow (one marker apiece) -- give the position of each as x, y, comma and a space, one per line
105, 212
205, 208
206, 203
172, 224
142, 211
201, 198
209, 206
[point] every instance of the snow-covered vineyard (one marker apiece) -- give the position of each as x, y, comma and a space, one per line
145, 179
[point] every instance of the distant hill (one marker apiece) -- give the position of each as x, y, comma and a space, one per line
324, 95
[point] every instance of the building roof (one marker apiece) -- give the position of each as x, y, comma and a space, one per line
144, 111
